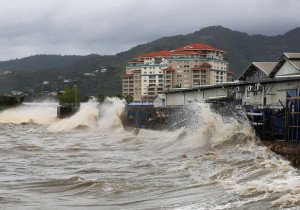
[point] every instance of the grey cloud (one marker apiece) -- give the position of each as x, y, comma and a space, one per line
107, 27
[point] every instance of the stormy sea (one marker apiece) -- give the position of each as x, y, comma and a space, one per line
90, 161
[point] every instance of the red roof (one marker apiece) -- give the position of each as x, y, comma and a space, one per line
127, 75
183, 52
198, 46
168, 69
163, 53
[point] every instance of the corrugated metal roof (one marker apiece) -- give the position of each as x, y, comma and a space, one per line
266, 67
296, 64
292, 55
238, 84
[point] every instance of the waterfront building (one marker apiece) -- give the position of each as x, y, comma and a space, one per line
262, 84
143, 78
189, 66
195, 65
127, 84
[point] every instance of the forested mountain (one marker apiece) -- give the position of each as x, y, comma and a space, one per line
38, 62
241, 49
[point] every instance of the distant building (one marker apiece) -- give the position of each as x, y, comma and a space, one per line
16, 93
6, 72
195, 65
189, 66
128, 84
89, 74
46, 83
104, 70
147, 75
262, 84
159, 100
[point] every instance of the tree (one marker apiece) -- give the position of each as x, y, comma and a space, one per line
69, 96
101, 97
178, 86
119, 95
128, 99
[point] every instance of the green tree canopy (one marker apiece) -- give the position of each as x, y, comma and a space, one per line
69, 96
101, 97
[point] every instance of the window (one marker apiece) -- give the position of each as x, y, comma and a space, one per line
248, 94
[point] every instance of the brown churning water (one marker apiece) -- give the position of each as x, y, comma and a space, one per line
90, 161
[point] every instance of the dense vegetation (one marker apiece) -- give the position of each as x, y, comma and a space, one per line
241, 49
8, 101
38, 62
69, 96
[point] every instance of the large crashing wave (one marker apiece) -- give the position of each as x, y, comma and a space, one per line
94, 116
226, 151
217, 149
91, 115
40, 113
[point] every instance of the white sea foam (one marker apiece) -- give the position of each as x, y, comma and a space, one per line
93, 116
212, 149
40, 113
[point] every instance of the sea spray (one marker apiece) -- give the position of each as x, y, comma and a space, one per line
211, 162
229, 154
110, 113
86, 117
40, 113
94, 116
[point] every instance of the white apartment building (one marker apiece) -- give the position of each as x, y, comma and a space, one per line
150, 67
192, 65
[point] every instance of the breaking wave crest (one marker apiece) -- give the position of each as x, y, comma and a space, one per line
40, 113
209, 149
229, 153
93, 116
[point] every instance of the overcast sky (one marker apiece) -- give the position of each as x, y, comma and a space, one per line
29, 27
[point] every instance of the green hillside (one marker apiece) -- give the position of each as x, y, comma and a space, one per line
241, 49
38, 62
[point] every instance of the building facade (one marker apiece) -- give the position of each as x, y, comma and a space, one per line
196, 65
146, 75
262, 84
186, 67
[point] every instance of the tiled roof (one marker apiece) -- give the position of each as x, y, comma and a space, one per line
163, 53
198, 46
183, 52
127, 75
168, 69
